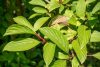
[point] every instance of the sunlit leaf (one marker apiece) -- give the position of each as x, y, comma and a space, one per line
83, 35
57, 37
40, 22
48, 52
38, 2
34, 15
81, 8
59, 63
75, 62
96, 8
18, 29
81, 53
95, 36
23, 21
97, 55
21, 44
39, 10
62, 55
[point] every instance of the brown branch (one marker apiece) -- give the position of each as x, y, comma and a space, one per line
40, 38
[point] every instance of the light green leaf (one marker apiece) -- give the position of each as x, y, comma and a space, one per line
38, 2
57, 37
75, 62
61, 9
53, 5
48, 52
34, 15
62, 55
89, 1
18, 29
21, 44
59, 63
68, 13
81, 53
97, 55
95, 36
39, 10
65, 1
81, 8
83, 35
40, 22
23, 21
96, 8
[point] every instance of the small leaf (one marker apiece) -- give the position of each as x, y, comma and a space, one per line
81, 8
48, 52
38, 2
81, 53
61, 9
39, 10
75, 62
83, 35
97, 55
34, 15
53, 5
23, 21
96, 8
18, 29
21, 44
40, 22
59, 63
95, 37
57, 37
62, 55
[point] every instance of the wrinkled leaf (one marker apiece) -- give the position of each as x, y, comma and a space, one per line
83, 35
48, 52
95, 36
59, 63
18, 29
97, 55
57, 37
21, 44
40, 22
38, 2
23, 21
39, 10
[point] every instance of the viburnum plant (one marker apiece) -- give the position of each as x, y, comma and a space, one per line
64, 27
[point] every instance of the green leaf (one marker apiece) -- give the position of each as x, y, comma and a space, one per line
38, 2
48, 52
95, 36
57, 37
97, 55
96, 8
65, 1
61, 9
81, 53
53, 5
75, 62
89, 1
18, 29
62, 55
21, 44
39, 10
40, 22
34, 15
59, 63
23, 21
83, 35
81, 8
68, 13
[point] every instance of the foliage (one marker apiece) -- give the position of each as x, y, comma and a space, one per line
59, 33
